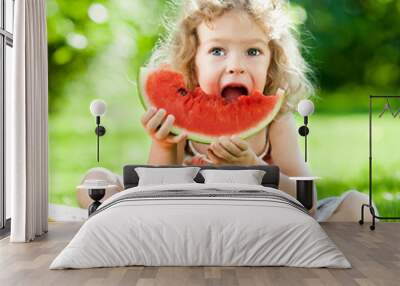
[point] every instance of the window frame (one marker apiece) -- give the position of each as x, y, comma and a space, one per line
6, 39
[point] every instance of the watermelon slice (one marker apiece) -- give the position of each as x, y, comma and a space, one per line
202, 116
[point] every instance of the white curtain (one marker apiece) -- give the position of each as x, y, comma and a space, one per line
26, 124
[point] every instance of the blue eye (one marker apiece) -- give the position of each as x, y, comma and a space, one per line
217, 52
253, 52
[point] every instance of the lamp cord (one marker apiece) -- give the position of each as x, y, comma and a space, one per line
98, 144
98, 137
305, 137
305, 146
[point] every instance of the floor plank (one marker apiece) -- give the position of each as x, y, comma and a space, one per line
374, 255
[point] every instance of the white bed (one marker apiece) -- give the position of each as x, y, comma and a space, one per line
223, 225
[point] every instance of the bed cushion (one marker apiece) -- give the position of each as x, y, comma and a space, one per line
270, 179
249, 177
157, 176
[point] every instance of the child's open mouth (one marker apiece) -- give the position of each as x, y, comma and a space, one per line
232, 91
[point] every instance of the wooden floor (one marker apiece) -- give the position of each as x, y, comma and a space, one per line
374, 255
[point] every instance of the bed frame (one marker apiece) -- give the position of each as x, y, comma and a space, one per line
270, 179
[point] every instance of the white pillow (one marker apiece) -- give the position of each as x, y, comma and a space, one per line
163, 176
249, 177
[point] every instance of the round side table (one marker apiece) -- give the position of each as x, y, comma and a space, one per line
96, 191
304, 190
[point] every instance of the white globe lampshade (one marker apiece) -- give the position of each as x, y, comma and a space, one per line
98, 107
305, 107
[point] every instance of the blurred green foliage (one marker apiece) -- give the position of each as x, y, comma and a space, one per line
354, 43
353, 47
96, 47
76, 42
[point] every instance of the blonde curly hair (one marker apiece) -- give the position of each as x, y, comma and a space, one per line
287, 69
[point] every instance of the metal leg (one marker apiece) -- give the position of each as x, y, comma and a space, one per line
96, 195
374, 216
93, 207
361, 221
372, 210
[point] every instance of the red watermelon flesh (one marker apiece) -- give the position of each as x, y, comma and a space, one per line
205, 117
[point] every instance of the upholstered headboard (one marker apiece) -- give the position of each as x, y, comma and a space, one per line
270, 179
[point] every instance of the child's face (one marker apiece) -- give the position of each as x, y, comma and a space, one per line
233, 50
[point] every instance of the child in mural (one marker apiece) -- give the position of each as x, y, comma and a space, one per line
252, 42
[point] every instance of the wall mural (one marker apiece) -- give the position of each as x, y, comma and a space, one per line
146, 82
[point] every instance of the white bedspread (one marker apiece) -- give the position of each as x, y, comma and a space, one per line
181, 231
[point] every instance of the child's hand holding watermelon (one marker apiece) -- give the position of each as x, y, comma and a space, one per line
158, 125
232, 151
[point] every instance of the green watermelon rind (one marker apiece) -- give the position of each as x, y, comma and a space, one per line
143, 72
206, 139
